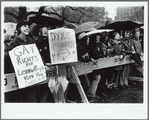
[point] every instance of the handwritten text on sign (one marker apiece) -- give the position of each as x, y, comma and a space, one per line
28, 65
62, 44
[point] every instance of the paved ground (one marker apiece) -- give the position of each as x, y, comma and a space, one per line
134, 94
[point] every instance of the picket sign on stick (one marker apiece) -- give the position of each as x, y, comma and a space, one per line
28, 65
62, 44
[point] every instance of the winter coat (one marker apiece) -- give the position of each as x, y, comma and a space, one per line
137, 45
83, 53
129, 45
18, 41
95, 51
107, 49
43, 47
8, 67
119, 49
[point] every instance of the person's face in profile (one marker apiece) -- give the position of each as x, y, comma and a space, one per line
106, 38
97, 40
137, 34
127, 35
25, 29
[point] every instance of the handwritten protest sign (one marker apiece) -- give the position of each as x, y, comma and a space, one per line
62, 44
28, 65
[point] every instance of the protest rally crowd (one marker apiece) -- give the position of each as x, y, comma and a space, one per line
90, 48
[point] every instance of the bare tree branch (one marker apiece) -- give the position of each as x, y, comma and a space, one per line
12, 14
61, 17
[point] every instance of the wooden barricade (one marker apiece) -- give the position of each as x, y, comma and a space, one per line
78, 68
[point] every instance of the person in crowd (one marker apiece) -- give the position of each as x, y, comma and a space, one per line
96, 53
7, 40
142, 38
119, 51
129, 47
106, 46
22, 37
22, 95
43, 44
89, 52
138, 49
15, 33
106, 73
35, 32
137, 43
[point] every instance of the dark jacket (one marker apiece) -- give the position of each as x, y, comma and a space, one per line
43, 47
106, 48
83, 53
18, 41
129, 45
119, 49
137, 45
95, 51
8, 67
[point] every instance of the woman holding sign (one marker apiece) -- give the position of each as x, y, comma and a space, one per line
23, 36
22, 95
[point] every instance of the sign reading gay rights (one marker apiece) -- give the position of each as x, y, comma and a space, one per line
62, 44
28, 65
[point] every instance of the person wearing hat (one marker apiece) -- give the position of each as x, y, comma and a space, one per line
23, 35
82, 47
22, 95
84, 54
96, 53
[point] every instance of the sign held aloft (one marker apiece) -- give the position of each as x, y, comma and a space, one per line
28, 65
62, 43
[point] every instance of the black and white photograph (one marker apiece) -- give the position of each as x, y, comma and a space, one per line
74, 60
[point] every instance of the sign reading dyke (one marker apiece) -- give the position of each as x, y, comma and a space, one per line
28, 65
62, 45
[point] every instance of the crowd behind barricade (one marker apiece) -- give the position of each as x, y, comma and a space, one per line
90, 48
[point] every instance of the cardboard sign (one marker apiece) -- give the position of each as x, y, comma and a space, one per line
10, 82
62, 44
28, 65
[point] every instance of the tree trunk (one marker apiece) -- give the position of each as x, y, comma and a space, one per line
22, 13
